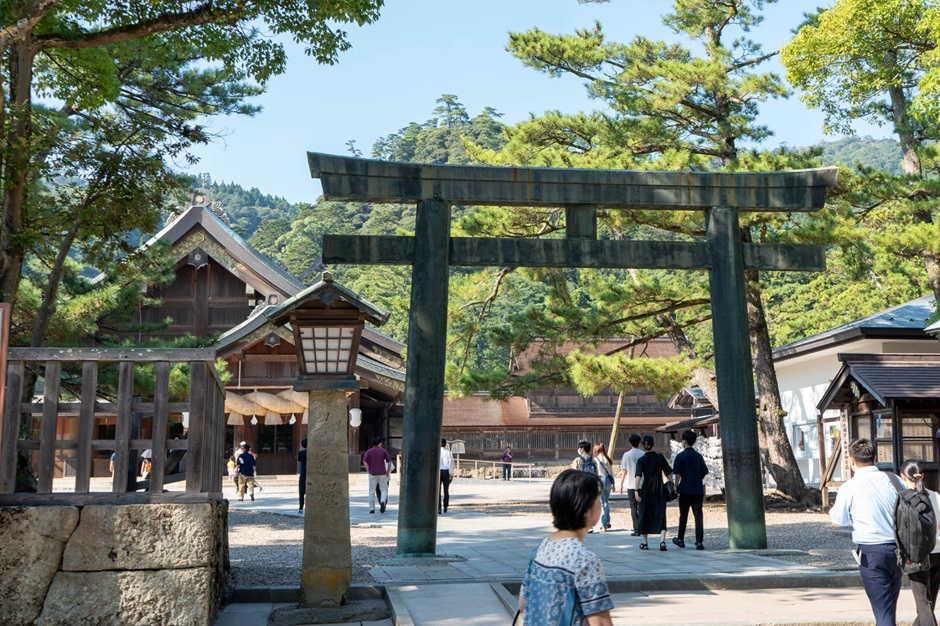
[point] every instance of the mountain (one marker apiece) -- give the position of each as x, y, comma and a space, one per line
879, 154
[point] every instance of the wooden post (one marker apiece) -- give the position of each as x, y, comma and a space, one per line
424, 382
86, 426
11, 424
734, 374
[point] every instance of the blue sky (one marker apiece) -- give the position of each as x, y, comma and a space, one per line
420, 49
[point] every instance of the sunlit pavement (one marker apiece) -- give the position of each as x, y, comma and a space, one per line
476, 548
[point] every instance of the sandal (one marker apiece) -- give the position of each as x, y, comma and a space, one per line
643, 546
662, 546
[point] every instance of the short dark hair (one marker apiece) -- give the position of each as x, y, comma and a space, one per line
635, 440
443, 441
585, 445
648, 442
303, 442
377, 440
572, 496
246, 447
862, 451
689, 437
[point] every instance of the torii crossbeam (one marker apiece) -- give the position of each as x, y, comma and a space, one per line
432, 251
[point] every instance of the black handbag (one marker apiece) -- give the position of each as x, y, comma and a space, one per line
669, 491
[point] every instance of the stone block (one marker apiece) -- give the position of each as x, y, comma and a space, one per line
33, 540
144, 537
132, 598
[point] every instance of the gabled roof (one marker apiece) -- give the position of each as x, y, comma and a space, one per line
904, 321
886, 377
254, 261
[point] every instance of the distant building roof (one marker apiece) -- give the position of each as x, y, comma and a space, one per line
886, 377
905, 321
695, 422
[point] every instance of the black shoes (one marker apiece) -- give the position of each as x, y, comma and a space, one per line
678, 542
662, 546
371, 511
381, 507
634, 534
699, 546
643, 546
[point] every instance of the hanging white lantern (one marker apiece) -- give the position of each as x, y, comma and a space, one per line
355, 417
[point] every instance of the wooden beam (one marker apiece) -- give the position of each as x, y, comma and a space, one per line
503, 252
147, 355
366, 180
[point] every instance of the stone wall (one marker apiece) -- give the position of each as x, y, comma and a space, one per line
133, 564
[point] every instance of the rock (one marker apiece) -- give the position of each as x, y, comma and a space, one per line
138, 598
34, 540
143, 537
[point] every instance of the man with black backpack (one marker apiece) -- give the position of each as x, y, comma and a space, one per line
866, 502
584, 461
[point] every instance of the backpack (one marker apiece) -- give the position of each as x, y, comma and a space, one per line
588, 465
915, 530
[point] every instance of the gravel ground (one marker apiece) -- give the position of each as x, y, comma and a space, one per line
265, 549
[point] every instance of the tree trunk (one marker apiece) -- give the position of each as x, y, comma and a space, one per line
775, 446
616, 427
16, 175
51, 291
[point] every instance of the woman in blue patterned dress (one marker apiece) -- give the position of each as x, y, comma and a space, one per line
564, 584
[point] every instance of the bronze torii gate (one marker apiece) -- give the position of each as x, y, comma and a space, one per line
431, 252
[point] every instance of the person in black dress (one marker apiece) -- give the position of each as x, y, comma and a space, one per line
650, 469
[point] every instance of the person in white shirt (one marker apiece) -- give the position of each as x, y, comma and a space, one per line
866, 502
447, 475
628, 474
926, 584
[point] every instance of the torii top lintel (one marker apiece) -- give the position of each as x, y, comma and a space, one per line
367, 180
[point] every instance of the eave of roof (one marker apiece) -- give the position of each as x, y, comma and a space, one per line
904, 321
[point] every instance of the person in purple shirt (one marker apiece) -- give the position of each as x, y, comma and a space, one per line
507, 463
377, 460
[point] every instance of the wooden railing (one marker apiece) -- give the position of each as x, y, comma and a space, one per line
202, 447
495, 468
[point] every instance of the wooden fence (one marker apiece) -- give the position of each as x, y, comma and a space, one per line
202, 446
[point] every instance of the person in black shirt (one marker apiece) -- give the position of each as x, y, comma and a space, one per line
690, 470
246, 472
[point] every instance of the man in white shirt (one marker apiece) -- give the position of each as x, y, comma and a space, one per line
866, 502
447, 475
628, 473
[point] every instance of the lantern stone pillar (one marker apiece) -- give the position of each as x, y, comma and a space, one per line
327, 553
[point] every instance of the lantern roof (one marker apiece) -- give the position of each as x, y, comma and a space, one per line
327, 299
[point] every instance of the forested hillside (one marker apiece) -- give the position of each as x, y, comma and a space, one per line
883, 155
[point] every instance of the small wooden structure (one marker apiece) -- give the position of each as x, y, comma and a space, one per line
891, 399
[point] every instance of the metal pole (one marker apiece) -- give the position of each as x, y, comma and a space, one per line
734, 372
424, 382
